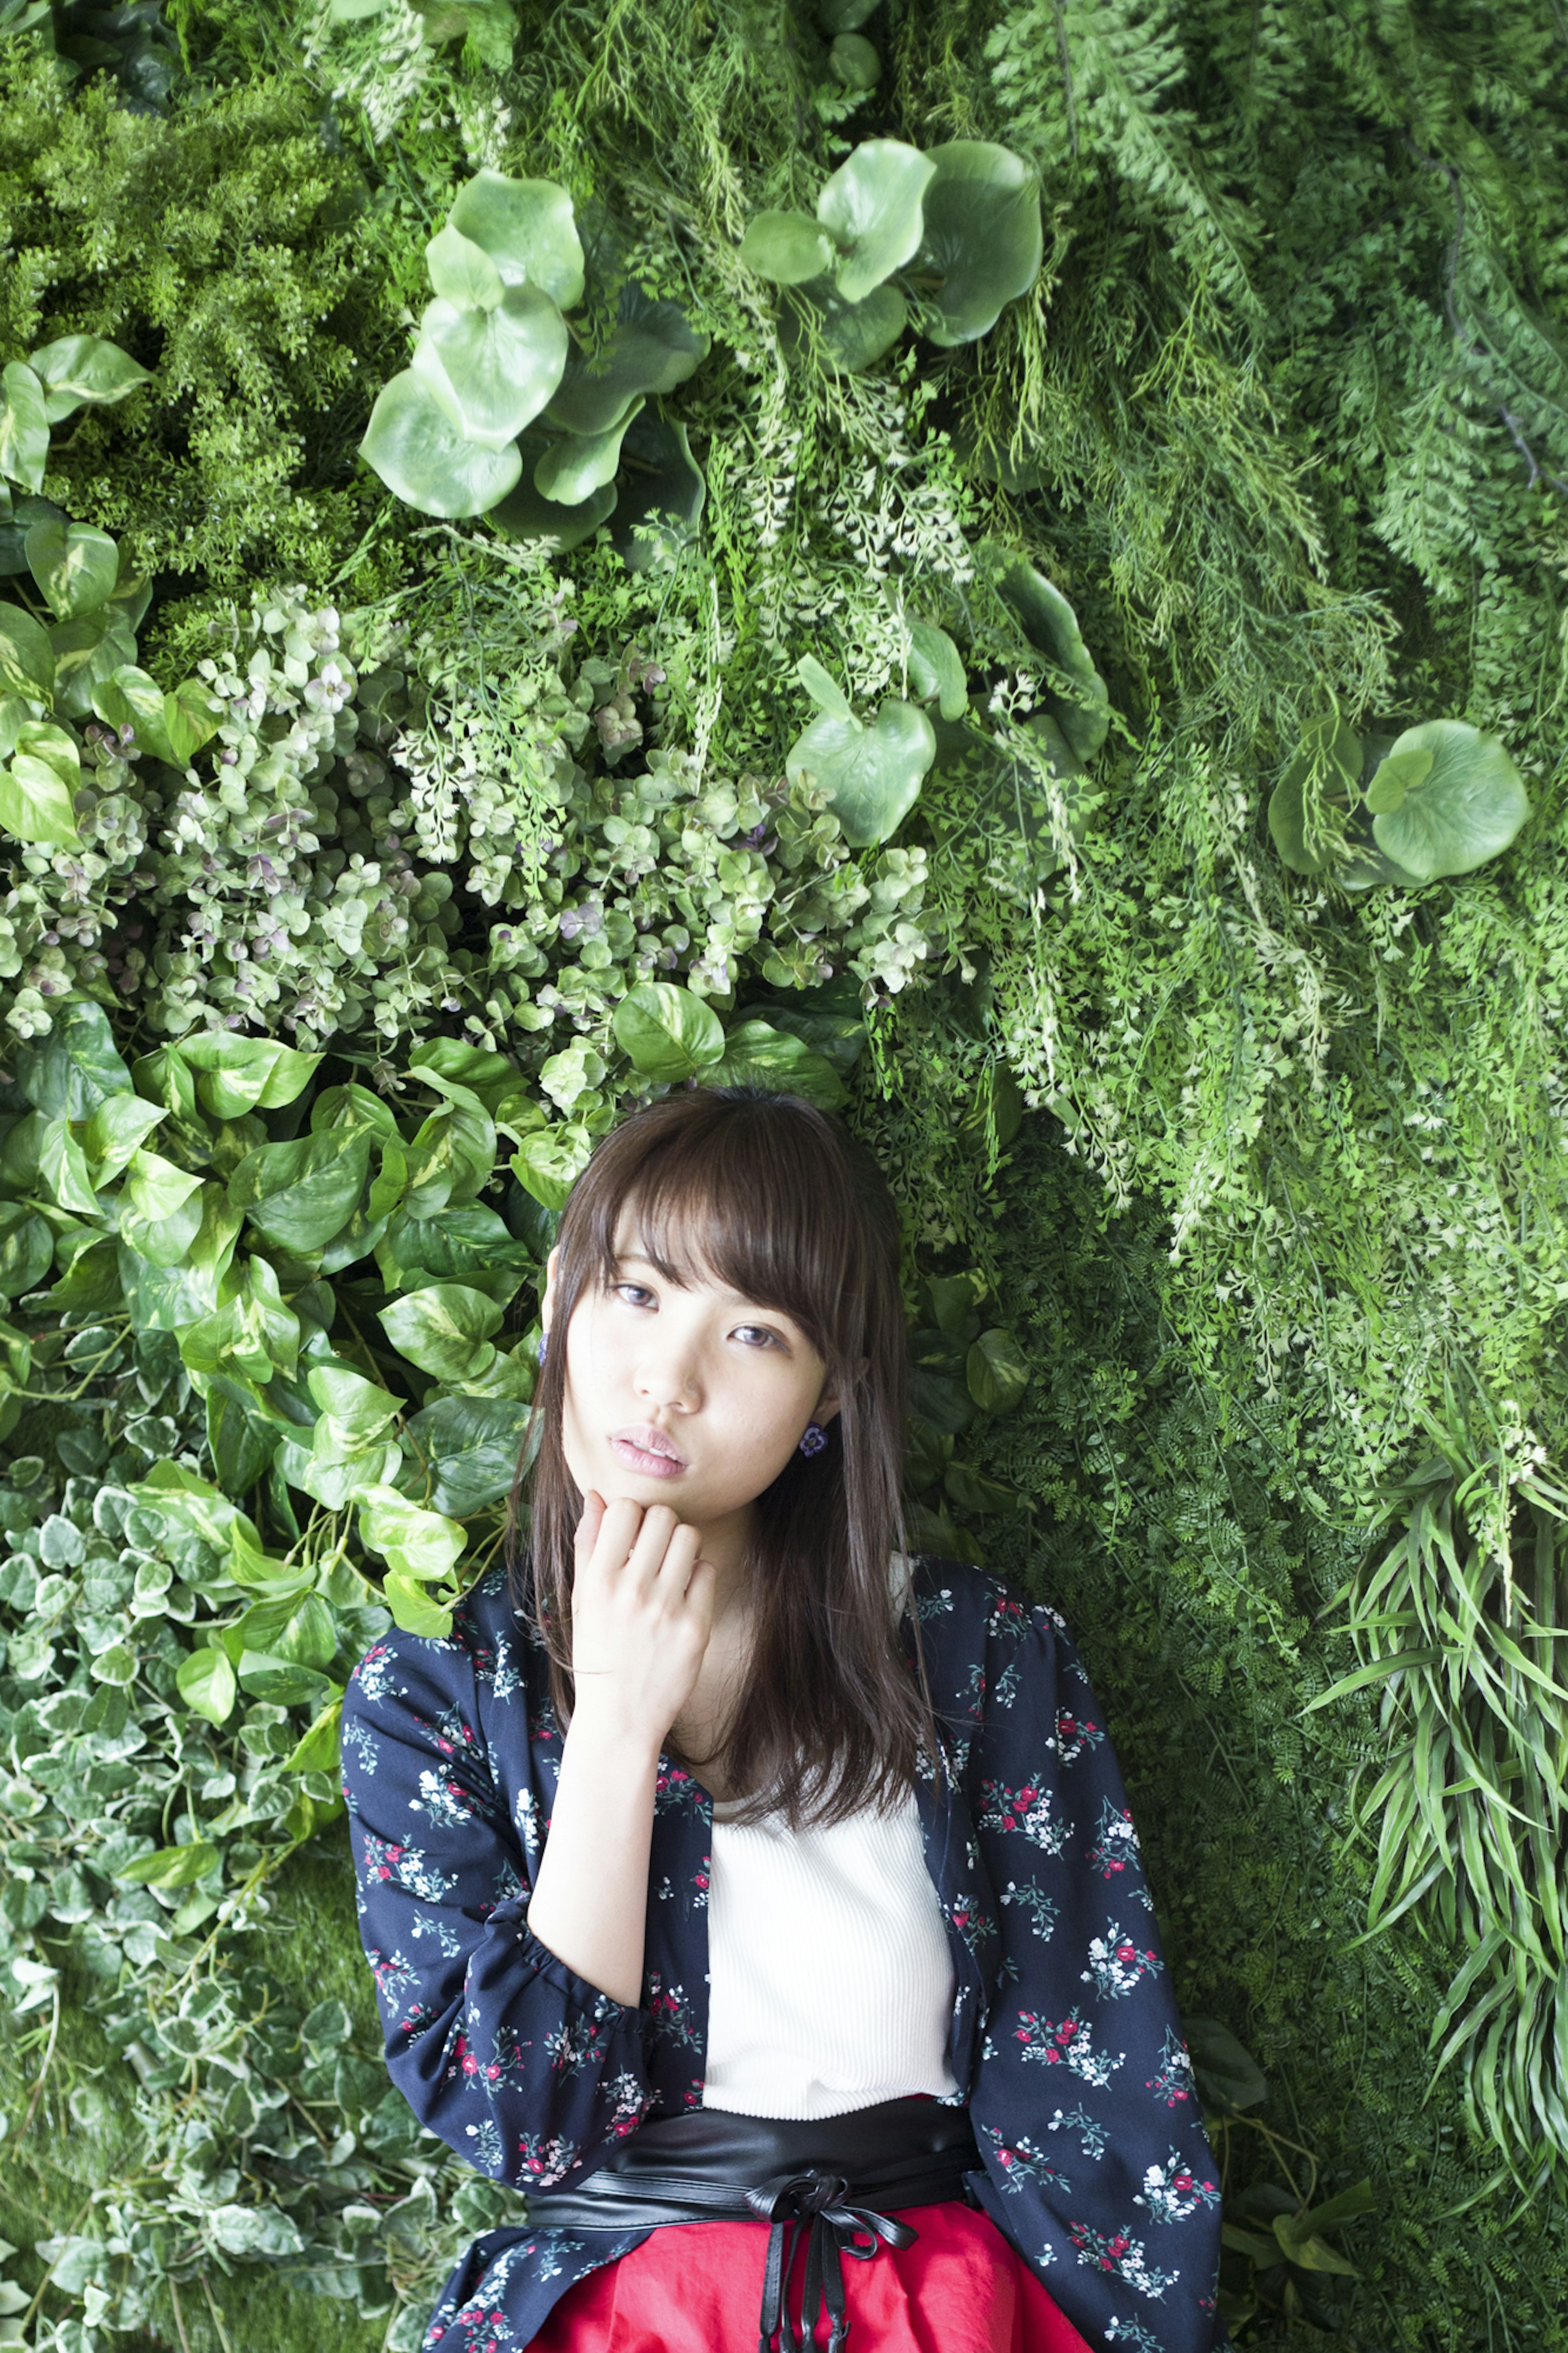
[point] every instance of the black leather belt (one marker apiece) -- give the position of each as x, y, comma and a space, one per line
839, 2179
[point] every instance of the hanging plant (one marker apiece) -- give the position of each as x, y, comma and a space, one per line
952, 235
497, 413
1440, 799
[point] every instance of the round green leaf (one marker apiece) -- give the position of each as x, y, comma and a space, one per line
206, 1685
462, 272
24, 426
528, 229
871, 209
668, 1032
1079, 701
854, 62
844, 15
84, 367
652, 348
420, 455
982, 235
1392, 778
1466, 808
75, 565
1331, 751
578, 464
548, 1165
851, 336
997, 1372
758, 1055
26, 657
872, 775
492, 371
787, 248
526, 513
660, 485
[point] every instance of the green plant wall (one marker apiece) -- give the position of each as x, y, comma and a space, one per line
1096, 717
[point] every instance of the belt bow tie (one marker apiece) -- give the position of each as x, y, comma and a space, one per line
816, 2202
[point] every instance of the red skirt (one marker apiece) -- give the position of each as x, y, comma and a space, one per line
698, 2288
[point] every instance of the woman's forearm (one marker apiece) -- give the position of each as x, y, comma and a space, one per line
589, 1904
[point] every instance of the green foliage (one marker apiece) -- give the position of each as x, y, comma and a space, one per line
959, 228
223, 249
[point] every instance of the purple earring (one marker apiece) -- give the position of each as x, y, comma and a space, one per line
814, 1439
541, 1344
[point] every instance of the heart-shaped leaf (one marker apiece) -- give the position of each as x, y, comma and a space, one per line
462, 272
242, 1074
851, 336
660, 485
936, 668
997, 1372
38, 789
871, 209
75, 565
1466, 807
669, 1033
757, 1055
528, 229
1079, 703
420, 455
787, 248
445, 1329
79, 368
26, 657
578, 464
492, 371
87, 653
473, 1446
872, 775
983, 237
548, 1165
652, 348
24, 426
206, 1684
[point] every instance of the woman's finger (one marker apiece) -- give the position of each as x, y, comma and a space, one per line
658, 1526
589, 1524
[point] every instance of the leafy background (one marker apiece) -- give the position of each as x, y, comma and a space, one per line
1257, 1179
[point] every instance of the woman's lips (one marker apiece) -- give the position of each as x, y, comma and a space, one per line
647, 1450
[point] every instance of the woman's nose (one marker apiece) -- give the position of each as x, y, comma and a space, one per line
667, 1375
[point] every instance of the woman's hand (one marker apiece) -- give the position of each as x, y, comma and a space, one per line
642, 1611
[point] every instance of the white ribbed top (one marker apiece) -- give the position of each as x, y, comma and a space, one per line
830, 1982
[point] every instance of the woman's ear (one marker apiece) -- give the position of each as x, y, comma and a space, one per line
546, 1300
830, 1402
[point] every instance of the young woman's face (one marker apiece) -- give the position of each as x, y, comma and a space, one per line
685, 1395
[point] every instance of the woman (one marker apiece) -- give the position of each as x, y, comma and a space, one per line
749, 1896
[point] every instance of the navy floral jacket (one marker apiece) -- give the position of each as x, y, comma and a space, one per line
1063, 2037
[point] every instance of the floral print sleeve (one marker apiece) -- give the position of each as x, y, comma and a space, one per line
1097, 2162
520, 2065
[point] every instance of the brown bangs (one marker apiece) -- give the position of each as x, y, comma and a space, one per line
775, 1199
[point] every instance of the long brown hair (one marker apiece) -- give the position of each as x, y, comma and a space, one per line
776, 1199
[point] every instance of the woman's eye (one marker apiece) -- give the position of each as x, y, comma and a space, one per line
636, 1295
758, 1336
